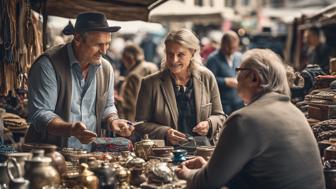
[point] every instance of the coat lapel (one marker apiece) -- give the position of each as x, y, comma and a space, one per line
198, 93
169, 96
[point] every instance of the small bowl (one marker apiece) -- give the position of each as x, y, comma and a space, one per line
162, 151
204, 151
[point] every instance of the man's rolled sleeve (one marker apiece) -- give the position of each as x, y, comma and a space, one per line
110, 108
42, 95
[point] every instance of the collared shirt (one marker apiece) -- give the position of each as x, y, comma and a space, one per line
185, 100
229, 60
43, 96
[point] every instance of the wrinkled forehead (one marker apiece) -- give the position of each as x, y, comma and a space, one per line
175, 47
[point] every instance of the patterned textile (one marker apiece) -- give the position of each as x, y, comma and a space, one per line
106, 144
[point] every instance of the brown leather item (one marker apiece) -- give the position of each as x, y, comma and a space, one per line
322, 111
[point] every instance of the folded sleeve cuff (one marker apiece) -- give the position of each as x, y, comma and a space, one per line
41, 123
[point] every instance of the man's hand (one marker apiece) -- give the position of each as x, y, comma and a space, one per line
195, 163
121, 127
79, 131
231, 82
174, 136
184, 171
201, 128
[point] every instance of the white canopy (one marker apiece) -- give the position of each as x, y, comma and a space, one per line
127, 27
177, 11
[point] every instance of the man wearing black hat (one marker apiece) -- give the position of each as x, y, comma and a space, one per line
71, 88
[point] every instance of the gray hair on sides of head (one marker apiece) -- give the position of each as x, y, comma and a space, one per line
187, 39
270, 68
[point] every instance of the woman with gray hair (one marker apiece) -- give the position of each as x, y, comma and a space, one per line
266, 144
183, 98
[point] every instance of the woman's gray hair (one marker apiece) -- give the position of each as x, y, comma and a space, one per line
187, 39
270, 69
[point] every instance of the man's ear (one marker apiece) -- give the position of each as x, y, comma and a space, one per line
255, 79
77, 39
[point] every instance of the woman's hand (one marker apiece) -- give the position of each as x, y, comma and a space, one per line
174, 137
201, 128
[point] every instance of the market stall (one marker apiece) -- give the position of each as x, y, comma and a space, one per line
319, 100
23, 37
113, 162
20, 44
323, 19
175, 13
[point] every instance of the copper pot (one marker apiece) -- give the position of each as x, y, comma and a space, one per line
87, 179
39, 171
70, 179
330, 152
57, 159
323, 145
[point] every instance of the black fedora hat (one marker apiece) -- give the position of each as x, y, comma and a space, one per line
90, 21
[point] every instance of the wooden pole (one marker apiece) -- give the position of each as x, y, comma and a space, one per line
45, 23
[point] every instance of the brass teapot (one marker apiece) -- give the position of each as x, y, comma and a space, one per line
143, 148
86, 178
136, 166
123, 177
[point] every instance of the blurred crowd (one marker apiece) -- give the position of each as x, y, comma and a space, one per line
127, 51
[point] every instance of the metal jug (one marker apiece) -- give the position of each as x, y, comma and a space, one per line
4, 179
39, 171
16, 182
